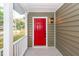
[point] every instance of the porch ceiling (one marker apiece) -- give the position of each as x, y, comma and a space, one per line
36, 7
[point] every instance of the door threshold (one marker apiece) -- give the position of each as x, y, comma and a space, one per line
39, 47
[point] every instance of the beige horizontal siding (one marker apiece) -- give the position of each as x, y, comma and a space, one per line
68, 29
50, 27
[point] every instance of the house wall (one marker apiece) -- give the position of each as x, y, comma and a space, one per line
50, 27
68, 29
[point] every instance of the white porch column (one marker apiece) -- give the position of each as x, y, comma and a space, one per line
26, 23
8, 30
26, 27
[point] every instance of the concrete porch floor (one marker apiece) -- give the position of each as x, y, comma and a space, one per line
50, 51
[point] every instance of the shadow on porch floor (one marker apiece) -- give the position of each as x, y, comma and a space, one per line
51, 51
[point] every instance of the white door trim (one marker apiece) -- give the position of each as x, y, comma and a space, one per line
33, 32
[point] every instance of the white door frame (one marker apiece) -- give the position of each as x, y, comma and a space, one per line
33, 32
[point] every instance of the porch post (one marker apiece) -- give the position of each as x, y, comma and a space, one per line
8, 30
26, 23
26, 28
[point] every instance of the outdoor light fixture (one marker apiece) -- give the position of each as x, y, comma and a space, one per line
51, 20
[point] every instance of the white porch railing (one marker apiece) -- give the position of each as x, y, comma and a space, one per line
1, 52
20, 46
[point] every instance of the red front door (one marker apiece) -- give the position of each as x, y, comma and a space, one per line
39, 31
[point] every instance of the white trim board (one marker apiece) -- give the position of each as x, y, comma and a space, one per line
54, 29
33, 32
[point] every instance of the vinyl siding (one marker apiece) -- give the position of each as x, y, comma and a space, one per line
50, 27
67, 18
